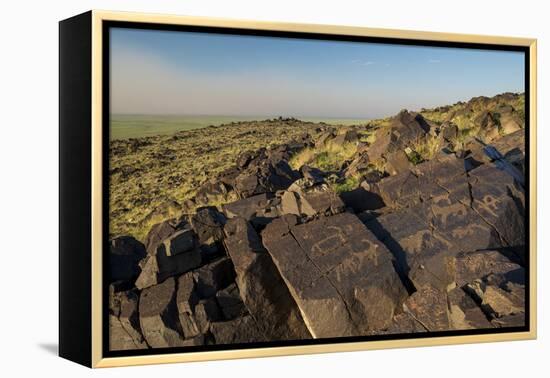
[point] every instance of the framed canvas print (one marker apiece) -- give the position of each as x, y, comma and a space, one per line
235, 189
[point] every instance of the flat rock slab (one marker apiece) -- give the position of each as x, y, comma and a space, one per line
208, 224
158, 315
248, 207
498, 302
124, 328
428, 307
423, 182
157, 268
479, 264
303, 199
120, 339
186, 300
159, 232
261, 287
440, 211
404, 323
239, 330
341, 277
464, 312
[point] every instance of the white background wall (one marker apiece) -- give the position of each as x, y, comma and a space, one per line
29, 176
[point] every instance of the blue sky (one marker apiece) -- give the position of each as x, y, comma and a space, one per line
166, 72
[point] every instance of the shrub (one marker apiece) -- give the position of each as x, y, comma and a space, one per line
329, 157
424, 149
347, 185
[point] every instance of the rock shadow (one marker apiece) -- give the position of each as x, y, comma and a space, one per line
400, 257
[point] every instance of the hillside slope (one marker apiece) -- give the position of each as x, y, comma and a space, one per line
406, 225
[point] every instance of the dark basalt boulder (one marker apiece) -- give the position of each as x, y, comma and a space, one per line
464, 312
213, 190
248, 208
158, 315
498, 301
440, 210
359, 166
239, 330
169, 261
245, 158
206, 312
512, 147
261, 287
449, 132
428, 306
267, 173
431, 309
208, 224
310, 198
186, 300
227, 177
214, 276
179, 242
348, 136
490, 126
510, 122
124, 328
125, 254
423, 256
405, 128
230, 302
479, 264
247, 184
423, 182
177, 253
397, 162
500, 201
324, 138
515, 320
120, 339
404, 323
159, 232
335, 262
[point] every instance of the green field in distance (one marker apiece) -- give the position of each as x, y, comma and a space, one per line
137, 126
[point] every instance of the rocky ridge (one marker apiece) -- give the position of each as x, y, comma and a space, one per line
427, 235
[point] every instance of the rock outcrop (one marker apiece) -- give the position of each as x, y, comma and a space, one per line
286, 244
262, 289
404, 129
309, 198
335, 263
158, 315
124, 257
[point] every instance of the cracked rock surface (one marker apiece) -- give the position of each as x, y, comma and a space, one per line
388, 242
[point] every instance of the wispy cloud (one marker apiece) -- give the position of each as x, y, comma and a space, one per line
363, 62
434, 61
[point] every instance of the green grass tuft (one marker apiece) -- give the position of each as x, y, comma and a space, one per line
347, 185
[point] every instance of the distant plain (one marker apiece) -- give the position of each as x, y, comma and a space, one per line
125, 126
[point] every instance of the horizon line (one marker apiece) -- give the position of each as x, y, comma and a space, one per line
272, 116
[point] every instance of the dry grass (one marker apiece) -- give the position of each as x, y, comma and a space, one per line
425, 148
328, 158
302, 158
148, 173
